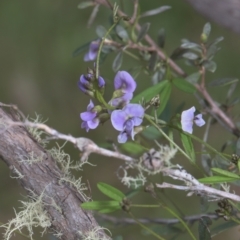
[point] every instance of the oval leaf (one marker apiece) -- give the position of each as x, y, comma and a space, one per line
164, 97
101, 31
150, 92
85, 4
143, 31
111, 191
117, 63
225, 173
222, 82
190, 56
155, 11
217, 179
132, 147
184, 85
122, 33
100, 205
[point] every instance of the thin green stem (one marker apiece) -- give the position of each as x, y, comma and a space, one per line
166, 136
235, 220
101, 46
131, 55
146, 228
180, 220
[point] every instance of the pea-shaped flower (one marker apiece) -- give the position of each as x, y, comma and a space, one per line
126, 119
90, 117
188, 118
92, 52
124, 85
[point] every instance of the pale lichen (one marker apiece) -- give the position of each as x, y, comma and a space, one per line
31, 215
95, 234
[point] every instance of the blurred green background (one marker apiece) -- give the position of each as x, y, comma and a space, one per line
39, 74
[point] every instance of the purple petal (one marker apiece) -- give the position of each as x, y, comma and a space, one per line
122, 137
90, 106
94, 123
118, 118
85, 125
101, 82
88, 116
188, 115
199, 120
92, 53
123, 80
134, 110
187, 127
128, 126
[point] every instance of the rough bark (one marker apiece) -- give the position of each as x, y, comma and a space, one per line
17, 144
223, 12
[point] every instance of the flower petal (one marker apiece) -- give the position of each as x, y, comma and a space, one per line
199, 120
134, 110
90, 106
85, 125
122, 137
187, 127
101, 82
123, 80
93, 123
92, 53
88, 116
118, 118
188, 115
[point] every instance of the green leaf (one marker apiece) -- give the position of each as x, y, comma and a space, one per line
117, 62
193, 78
85, 4
211, 66
161, 37
150, 92
190, 56
151, 133
101, 31
143, 31
81, 49
133, 148
203, 228
110, 209
190, 45
225, 173
184, 85
188, 147
101, 205
152, 61
206, 32
155, 11
122, 33
217, 179
222, 82
164, 97
111, 191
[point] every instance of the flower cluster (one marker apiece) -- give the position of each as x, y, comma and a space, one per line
124, 116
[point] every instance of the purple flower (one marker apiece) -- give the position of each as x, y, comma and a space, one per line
93, 50
85, 83
124, 85
126, 119
90, 118
124, 81
187, 119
